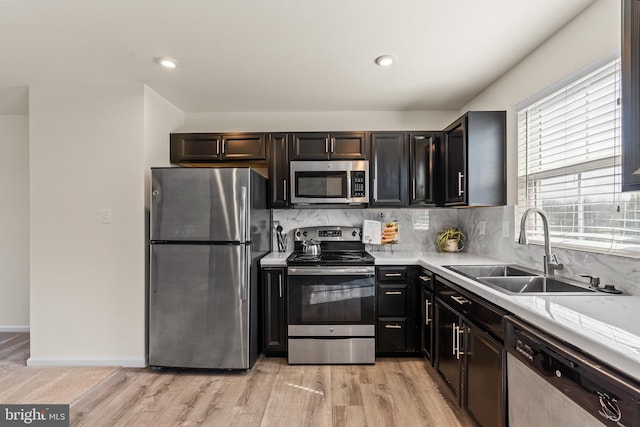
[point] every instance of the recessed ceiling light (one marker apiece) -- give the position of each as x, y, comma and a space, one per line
385, 60
167, 62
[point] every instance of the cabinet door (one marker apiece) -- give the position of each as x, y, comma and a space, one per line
279, 170
426, 343
455, 164
392, 300
485, 391
195, 147
248, 146
274, 311
631, 97
422, 150
348, 146
447, 338
310, 146
389, 169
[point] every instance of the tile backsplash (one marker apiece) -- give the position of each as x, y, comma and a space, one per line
489, 232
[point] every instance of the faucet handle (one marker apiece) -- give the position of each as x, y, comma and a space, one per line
594, 281
554, 263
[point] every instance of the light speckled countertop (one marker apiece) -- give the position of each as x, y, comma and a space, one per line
604, 326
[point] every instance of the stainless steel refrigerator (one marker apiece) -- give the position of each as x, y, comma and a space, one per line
209, 227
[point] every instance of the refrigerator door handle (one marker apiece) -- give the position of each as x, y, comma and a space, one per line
244, 272
243, 214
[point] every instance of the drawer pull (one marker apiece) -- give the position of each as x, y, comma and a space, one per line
392, 274
460, 300
387, 326
425, 278
393, 293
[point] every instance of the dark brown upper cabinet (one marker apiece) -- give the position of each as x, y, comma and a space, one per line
473, 160
422, 155
279, 170
388, 169
329, 146
631, 95
212, 147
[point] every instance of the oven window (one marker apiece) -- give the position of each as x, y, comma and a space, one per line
331, 300
321, 184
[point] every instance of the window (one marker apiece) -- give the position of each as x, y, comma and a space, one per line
569, 166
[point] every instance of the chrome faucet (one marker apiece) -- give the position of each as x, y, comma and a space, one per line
550, 259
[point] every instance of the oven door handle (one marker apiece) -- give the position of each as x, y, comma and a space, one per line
331, 271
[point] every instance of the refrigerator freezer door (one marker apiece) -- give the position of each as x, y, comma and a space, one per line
200, 204
198, 306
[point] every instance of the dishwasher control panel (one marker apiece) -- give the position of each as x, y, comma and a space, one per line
608, 395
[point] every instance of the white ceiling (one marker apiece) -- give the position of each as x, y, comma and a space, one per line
275, 55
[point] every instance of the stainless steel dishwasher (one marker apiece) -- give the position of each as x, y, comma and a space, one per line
551, 384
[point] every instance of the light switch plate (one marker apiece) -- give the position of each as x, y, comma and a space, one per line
105, 216
482, 227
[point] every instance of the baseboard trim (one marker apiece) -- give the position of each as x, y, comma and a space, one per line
135, 362
15, 329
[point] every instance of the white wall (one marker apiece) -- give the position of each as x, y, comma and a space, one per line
319, 121
87, 153
591, 35
14, 223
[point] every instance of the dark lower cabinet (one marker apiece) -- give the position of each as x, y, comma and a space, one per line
469, 353
424, 282
485, 361
389, 169
274, 311
397, 327
447, 361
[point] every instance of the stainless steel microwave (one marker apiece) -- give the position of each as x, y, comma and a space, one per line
329, 182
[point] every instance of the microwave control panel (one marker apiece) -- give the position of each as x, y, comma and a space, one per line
357, 184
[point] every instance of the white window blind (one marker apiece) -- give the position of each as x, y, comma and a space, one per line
569, 166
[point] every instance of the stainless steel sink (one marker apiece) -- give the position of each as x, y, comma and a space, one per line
534, 284
517, 280
498, 270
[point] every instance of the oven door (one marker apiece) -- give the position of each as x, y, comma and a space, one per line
341, 297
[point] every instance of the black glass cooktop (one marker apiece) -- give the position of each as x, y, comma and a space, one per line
331, 258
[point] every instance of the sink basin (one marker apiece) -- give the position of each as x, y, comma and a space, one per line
499, 270
534, 285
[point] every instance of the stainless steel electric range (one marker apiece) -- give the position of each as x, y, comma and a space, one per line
331, 298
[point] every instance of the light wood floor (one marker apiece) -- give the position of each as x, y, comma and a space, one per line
393, 392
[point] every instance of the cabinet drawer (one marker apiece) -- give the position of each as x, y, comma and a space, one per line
392, 334
392, 300
391, 274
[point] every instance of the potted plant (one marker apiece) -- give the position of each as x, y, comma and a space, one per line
450, 240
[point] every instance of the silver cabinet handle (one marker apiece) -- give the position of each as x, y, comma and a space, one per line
393, 293
427, 319
460, 332
387, 326
224, 146
280, 284
425, 278
414, 189
333, 143
326, 144
460, 300
460, 190
454, 327
375, 189
218, 146
285, 190
392, 274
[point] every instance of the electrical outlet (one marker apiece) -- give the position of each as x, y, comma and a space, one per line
105, 216
482, 228
506, 230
